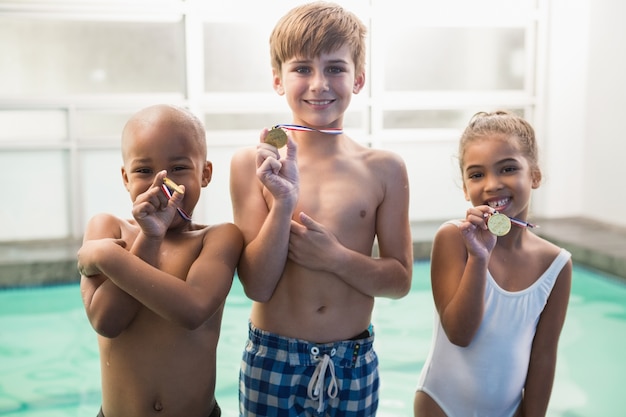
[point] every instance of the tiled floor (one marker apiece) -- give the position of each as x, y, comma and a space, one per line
593, 244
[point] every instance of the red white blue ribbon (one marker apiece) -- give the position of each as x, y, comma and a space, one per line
180, 211
518, 222
522, 223
331, 131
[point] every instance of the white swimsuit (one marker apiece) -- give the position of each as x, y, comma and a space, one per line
486, 378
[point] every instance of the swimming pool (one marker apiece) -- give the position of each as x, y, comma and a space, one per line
49, 357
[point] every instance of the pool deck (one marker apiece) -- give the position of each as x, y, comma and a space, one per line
593, 244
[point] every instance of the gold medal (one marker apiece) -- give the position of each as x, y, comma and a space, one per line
276, 137
172, 185
499, 224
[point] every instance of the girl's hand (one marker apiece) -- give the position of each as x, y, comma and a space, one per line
479, 241
153, 211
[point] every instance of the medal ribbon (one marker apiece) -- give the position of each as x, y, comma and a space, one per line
180, 211
332, 131
521, 223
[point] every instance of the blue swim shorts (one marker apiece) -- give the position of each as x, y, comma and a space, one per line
282, 376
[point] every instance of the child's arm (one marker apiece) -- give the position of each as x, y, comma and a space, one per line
543, 355
265, 229
390, 274
459, 261
188, 302
109, 309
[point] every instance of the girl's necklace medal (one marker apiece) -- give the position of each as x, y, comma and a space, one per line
499, 224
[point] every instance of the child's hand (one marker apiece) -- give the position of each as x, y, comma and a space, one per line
478, 239
153, 210
279, 175
89, 253
311, 244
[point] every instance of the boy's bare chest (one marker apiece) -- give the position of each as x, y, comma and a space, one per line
338, 195
175, 256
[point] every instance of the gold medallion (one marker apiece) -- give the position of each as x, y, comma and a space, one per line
276, 137
499, 224
172, 185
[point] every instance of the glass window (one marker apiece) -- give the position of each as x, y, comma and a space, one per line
237, 57
98, 124
39, 192
101, 185
451, 58
37, 125
46, 57
431, 119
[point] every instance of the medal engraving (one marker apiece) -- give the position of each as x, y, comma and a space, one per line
276, 137
499, 224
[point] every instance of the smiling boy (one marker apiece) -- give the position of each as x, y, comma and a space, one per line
154, 286
310, 215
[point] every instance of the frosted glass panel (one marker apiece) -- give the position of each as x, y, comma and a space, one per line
35, 206
236, 57
431, 119
98, 124
101, 186
80, 57
473, 58
433, 170
39, 125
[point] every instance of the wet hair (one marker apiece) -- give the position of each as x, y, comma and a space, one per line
319, 27
504, 124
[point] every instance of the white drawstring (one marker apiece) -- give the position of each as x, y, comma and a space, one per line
316, 385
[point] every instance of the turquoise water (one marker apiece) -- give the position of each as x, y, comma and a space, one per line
49, 358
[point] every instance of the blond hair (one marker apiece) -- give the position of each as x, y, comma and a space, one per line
311, 29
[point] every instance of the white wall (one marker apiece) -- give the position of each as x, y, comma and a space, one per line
582, 112
605, 141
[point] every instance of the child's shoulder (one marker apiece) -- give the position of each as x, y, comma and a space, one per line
543, 248
108, 221
226, 231
382, 158
245, 152
108, 225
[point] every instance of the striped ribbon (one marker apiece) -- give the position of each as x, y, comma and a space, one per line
332, 131
180, 211
521, 223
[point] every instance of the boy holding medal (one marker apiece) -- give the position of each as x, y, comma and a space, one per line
310, 215
500, 291
154, 286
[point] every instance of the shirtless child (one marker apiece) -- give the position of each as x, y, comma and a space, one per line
154, 286
309, 215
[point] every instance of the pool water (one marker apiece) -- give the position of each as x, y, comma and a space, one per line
49, 357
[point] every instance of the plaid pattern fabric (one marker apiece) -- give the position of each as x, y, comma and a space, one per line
276, 372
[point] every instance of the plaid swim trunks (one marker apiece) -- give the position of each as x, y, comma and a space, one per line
282, 376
